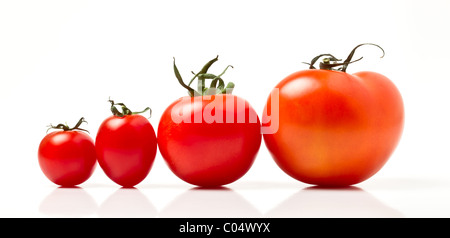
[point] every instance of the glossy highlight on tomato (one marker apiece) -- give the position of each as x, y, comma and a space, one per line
335, 128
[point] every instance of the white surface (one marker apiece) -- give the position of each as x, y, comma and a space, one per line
60, 60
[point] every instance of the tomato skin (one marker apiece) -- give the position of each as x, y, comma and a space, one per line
126, 148
67, 158
205, 153
335, 129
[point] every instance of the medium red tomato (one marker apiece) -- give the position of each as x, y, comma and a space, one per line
126, 146
211, 138
67, 157
334, 128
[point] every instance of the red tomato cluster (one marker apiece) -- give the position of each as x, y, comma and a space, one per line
322, 126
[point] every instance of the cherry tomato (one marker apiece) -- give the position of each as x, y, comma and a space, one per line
126, 146
67, 157
334, 128
209, 139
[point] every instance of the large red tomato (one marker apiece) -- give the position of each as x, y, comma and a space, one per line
126, 146
209, 140
334, 128
67, 157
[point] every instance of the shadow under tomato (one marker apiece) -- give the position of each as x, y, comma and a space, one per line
350, 201
73, 186
209, 202
338, 188
218, 188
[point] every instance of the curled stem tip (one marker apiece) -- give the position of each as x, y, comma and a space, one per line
350, 56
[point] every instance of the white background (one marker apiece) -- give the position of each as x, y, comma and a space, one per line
61, 60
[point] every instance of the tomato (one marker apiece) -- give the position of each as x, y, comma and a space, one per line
67, 158
334, 128
209, 139
209, 153
126, 146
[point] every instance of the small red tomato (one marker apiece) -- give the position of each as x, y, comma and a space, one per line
210, 138
334, 128
67, 157
126, 146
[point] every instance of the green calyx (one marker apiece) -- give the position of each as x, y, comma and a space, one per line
330, 62
65, 127
125, 110
217, 85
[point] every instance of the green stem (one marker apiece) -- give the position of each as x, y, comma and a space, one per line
65, 127
125, 110
331, 62
202, 76
204, 70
